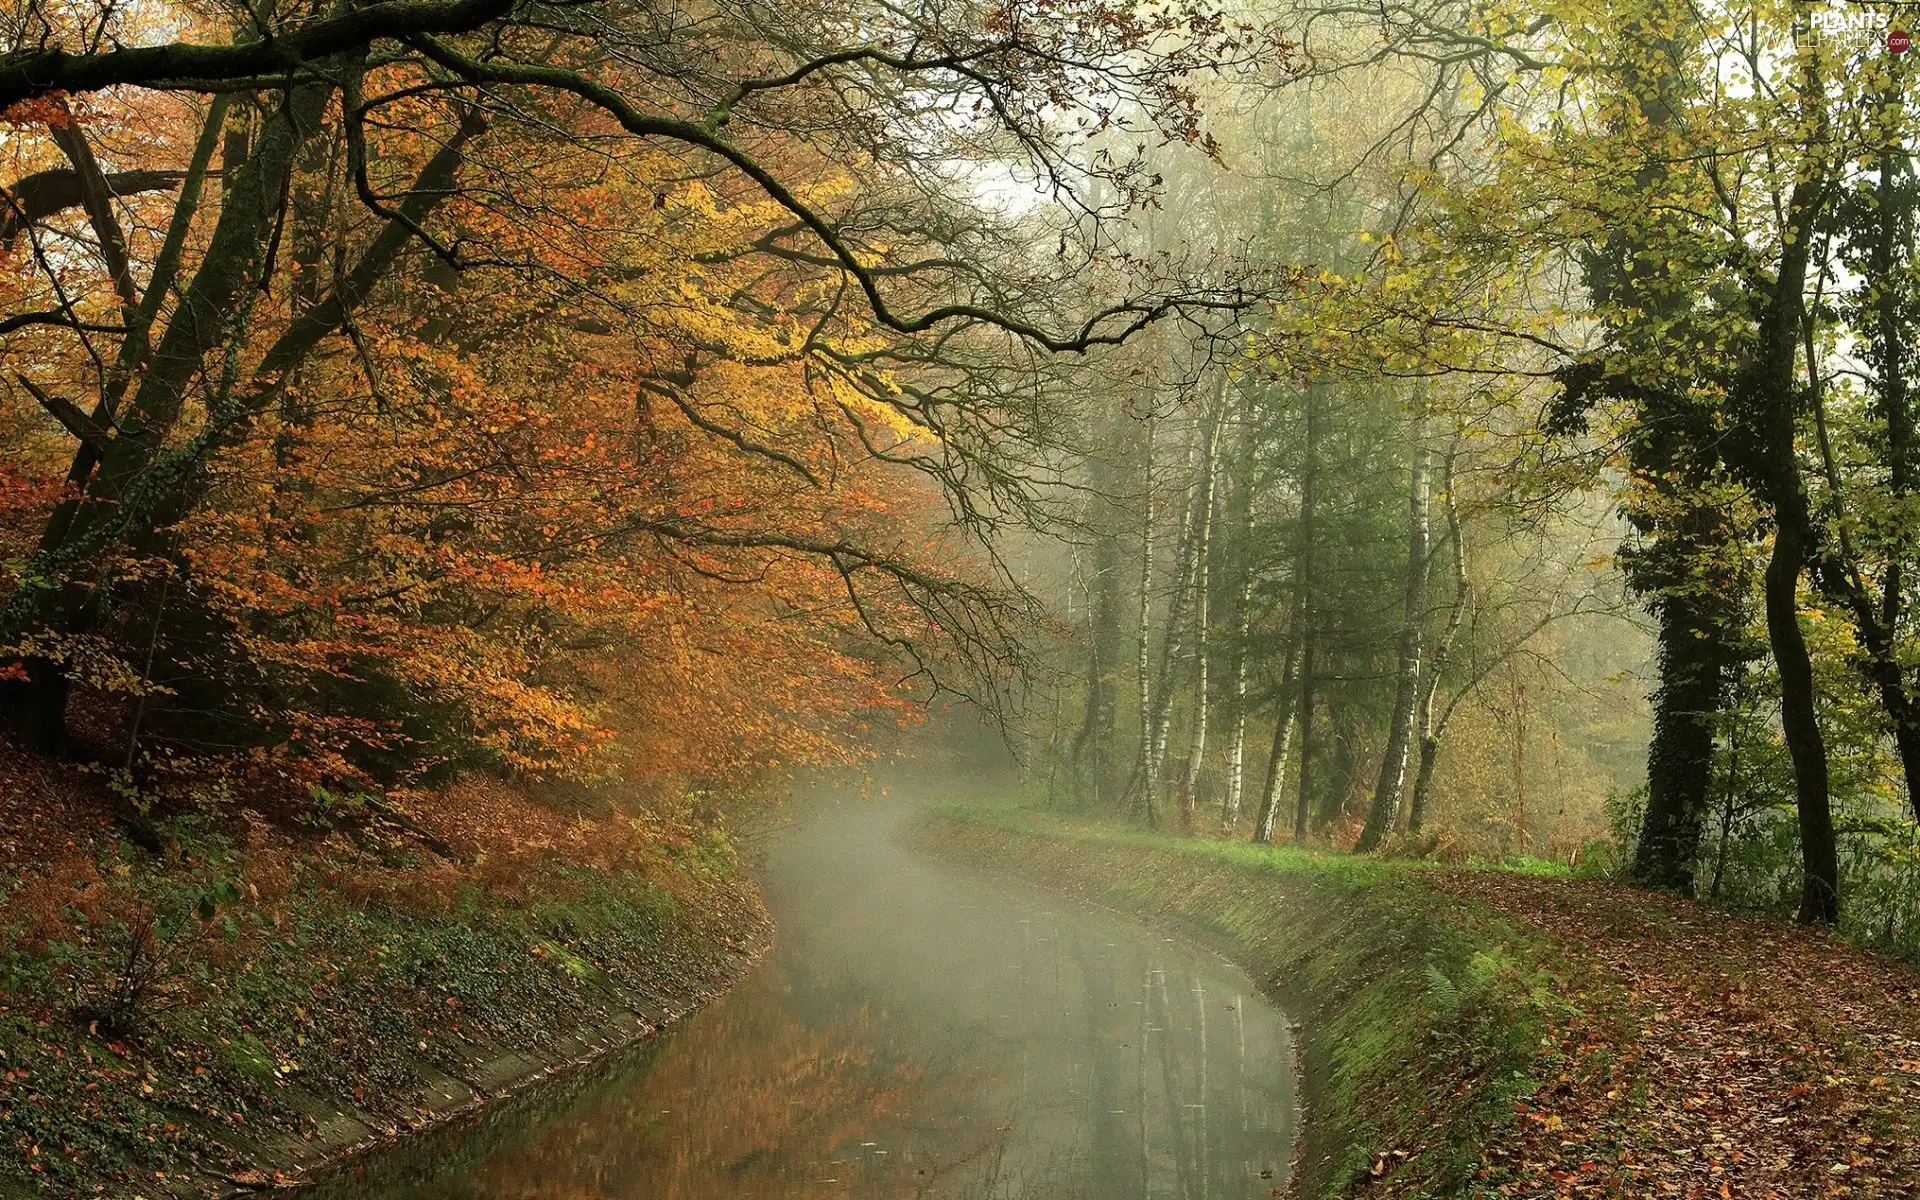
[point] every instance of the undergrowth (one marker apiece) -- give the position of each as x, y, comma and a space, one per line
170, 1018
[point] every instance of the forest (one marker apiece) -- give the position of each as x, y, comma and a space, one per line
465, 456
1557, 509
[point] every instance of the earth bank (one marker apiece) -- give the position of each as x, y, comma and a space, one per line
243, 1001
1495, 1033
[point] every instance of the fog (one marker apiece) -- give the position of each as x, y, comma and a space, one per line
915, 1031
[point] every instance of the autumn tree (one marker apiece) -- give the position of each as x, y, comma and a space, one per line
510, 335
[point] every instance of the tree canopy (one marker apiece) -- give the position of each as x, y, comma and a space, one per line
1451, 427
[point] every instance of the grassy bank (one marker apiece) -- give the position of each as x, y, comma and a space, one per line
1487, 1033
248, 1000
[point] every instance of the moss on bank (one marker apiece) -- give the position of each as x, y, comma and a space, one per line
1426, 1020
195, 1021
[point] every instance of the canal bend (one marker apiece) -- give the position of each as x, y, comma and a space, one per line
915, 1032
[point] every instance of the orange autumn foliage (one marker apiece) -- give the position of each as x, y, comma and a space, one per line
632, 505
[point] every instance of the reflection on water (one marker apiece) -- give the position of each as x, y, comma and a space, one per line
913, 1034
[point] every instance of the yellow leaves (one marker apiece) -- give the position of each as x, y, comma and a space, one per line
89, 659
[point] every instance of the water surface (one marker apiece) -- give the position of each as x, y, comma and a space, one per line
915, 1032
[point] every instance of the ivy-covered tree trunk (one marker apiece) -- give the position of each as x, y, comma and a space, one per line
1693, 683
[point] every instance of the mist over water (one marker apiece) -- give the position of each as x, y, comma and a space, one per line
916, 1031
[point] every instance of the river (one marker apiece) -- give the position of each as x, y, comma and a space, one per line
914, 1032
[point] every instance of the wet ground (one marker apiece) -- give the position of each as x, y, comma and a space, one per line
915, 1032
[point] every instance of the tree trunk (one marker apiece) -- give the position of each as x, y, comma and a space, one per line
1383, 815
124, 493
1091, 741
1309, 613
1892, 252
1202, 608
1728, 802
1518, 685
277, 367
1765, 455
1237, 742
96, 197
136, 346
1283, 736
1775, 473
1877, 618
1273, 784
1676, 445
1148, 768
1095, 743
1172, 647
1423, 774
1800, 726
230, 267
136, 494
1241, 544
1693, 679
1442, 652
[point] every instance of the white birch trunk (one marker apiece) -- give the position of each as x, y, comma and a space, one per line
1202, 630
1149, 769
1237, 743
